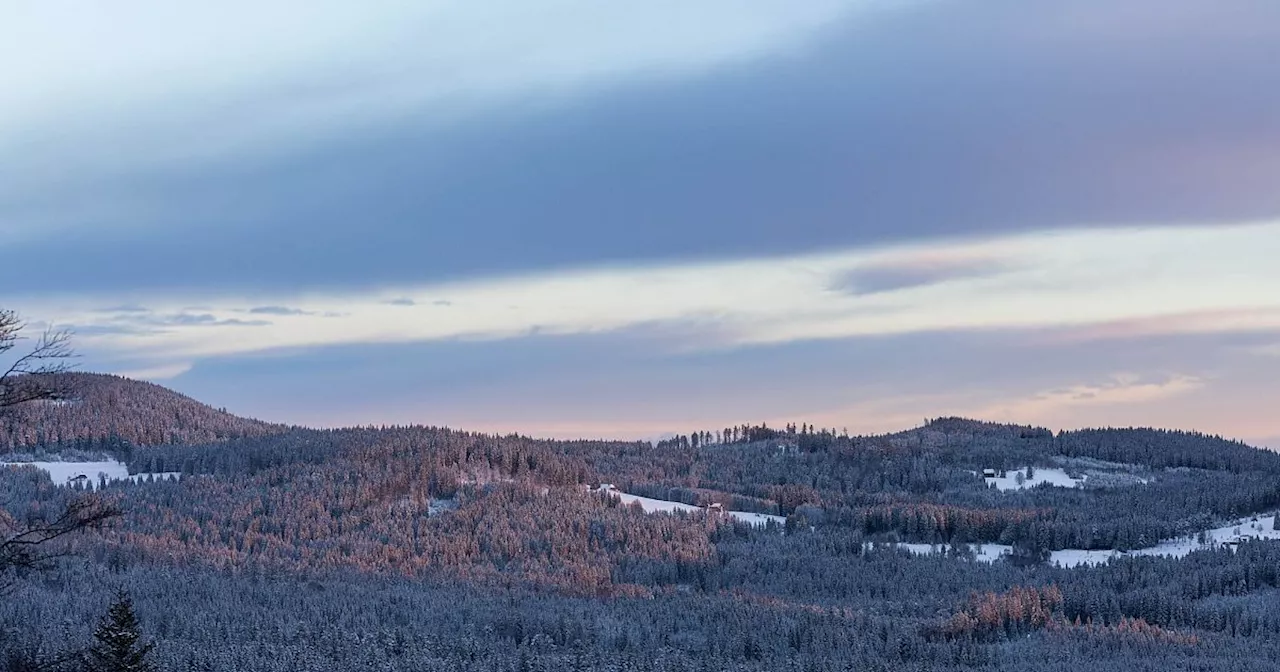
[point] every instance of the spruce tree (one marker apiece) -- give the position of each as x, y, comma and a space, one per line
118, 645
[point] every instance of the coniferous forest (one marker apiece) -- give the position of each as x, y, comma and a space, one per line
426, 548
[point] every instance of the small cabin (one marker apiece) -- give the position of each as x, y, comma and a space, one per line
716, 507
988, 473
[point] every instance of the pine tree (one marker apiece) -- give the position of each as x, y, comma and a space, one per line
117, 647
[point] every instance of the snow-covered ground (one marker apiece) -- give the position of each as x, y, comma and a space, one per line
1074, 557
984, 552
1174, 548
661, 505
1065, 558
436, 507
1245, 528
1050, 475
66, 473
757, 518
652, 505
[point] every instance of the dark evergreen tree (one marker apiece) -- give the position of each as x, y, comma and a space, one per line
118, 643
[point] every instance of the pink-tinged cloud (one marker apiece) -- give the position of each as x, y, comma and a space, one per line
1237, 320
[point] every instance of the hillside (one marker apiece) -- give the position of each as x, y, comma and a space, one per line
102, 407
426, 548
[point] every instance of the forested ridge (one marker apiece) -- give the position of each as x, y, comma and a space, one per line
427, 548
93, 410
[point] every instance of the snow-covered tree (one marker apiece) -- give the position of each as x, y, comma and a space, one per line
118, 643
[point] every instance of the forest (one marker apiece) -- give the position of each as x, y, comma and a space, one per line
428, 548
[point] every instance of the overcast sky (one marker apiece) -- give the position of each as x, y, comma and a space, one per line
629, 219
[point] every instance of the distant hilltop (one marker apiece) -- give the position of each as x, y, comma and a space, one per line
99, 407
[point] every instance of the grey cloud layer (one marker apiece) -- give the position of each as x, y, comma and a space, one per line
955, 118
277, 310
950, 119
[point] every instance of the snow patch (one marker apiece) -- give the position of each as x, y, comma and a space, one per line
987, 553
1018, 479
1227, 535
650, 505
90, 473
760, 519
1072, 557
436, 507
653, 505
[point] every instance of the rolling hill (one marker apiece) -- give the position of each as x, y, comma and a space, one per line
100, 407
747, 548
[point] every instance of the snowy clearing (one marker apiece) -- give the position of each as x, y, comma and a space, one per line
650, 505
1018, 480
1245, 528
989, 553
68, 473
1228, 535
436, 507
756, 518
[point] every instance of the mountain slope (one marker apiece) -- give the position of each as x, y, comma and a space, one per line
103, 406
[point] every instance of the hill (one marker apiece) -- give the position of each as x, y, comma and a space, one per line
102, 407
426, 548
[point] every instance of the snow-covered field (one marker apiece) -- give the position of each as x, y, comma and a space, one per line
1050, 475
663, 506
1245, 528
66, 473
1173, 548
651, 505
991, 552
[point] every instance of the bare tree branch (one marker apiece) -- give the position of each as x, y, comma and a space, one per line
32, 376
25, 546
28, 546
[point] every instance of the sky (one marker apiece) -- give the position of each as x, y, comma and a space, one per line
573, 218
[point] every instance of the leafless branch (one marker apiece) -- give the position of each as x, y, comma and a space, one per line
27, 546
32, 376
